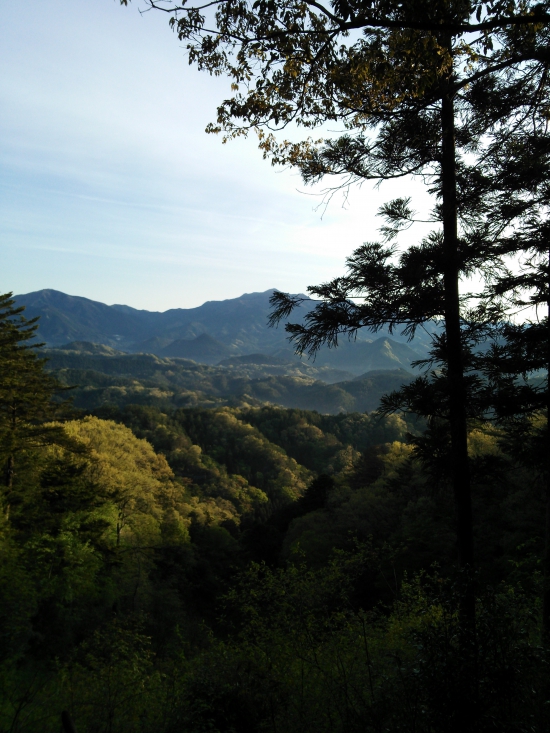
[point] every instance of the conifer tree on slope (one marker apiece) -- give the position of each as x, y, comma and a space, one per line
509, 213
503, 203
26, 392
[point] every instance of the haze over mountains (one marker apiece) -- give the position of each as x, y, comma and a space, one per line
231, 331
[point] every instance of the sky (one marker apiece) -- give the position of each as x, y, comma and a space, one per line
110, 188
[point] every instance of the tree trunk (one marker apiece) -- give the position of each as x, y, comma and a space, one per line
460, 474
10, 468
466, 694
10, 472
546, 571
67, 723
546, 560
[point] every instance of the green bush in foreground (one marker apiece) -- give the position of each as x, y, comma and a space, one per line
299, 656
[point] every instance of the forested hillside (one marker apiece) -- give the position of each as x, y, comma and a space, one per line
100, 375
251, 567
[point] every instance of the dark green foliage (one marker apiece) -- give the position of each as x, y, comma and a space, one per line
316, 494
323, 664
26, 392
52, 544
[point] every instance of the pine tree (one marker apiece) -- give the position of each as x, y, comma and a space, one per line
26, 392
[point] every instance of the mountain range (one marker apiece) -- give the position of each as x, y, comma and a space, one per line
228, 332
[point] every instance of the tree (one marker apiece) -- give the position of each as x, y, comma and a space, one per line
26, 391
502, 216
505, 383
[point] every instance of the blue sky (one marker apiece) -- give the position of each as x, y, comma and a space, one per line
110, 188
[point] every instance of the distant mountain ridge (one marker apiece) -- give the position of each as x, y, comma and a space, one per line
203, 349
207, 334
103, 376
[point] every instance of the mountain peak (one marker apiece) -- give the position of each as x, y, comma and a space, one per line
213, 331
